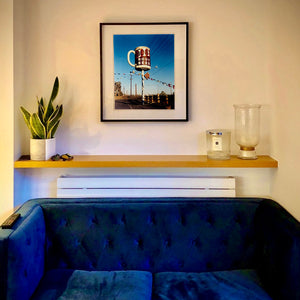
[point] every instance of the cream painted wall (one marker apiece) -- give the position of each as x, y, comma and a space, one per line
7, 108
228, 55
233, 58
285, 94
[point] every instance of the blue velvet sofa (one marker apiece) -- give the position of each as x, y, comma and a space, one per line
165, 248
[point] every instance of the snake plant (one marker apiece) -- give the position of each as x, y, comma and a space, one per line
43, 124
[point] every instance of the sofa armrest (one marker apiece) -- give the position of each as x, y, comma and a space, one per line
279, 241
22, 251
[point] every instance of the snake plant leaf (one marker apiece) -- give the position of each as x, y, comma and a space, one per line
41, 103
53, 120
55, 89
26, 115
54, 129
48, 111
37, 126
56, 112
41, 109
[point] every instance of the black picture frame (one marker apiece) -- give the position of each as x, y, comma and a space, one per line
155, 86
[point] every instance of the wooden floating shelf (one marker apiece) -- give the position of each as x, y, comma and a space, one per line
147, 161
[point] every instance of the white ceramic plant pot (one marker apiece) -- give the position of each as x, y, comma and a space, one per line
42, 149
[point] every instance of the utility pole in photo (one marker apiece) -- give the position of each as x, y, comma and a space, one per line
142, 63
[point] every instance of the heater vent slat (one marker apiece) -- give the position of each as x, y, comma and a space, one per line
145, 186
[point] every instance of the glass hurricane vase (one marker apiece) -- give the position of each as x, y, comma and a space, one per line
247, 122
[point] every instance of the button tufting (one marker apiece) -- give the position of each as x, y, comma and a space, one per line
210, 220
182, 220
77, 243
140, 243
167, 243
93, 266
94, 220
123, 219
151, 219
196, 243
109, 244
28, 241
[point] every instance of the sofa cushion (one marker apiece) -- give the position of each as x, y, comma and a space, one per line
69, 284
237, 284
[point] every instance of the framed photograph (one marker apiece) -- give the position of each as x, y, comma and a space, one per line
144, 71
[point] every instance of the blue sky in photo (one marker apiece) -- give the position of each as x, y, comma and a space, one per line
162, 61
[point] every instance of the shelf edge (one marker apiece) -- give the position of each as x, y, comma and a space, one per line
147, 161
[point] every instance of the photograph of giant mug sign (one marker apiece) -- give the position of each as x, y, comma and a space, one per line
144, 71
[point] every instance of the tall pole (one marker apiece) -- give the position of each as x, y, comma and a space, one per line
130, 83
143, 95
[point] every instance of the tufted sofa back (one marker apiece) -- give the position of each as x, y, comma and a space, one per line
189, 235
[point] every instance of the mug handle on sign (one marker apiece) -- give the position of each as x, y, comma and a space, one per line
128, 57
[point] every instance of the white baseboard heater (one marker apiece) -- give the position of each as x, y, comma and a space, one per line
144, 186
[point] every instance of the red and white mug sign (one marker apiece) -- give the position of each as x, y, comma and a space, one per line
142, 58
